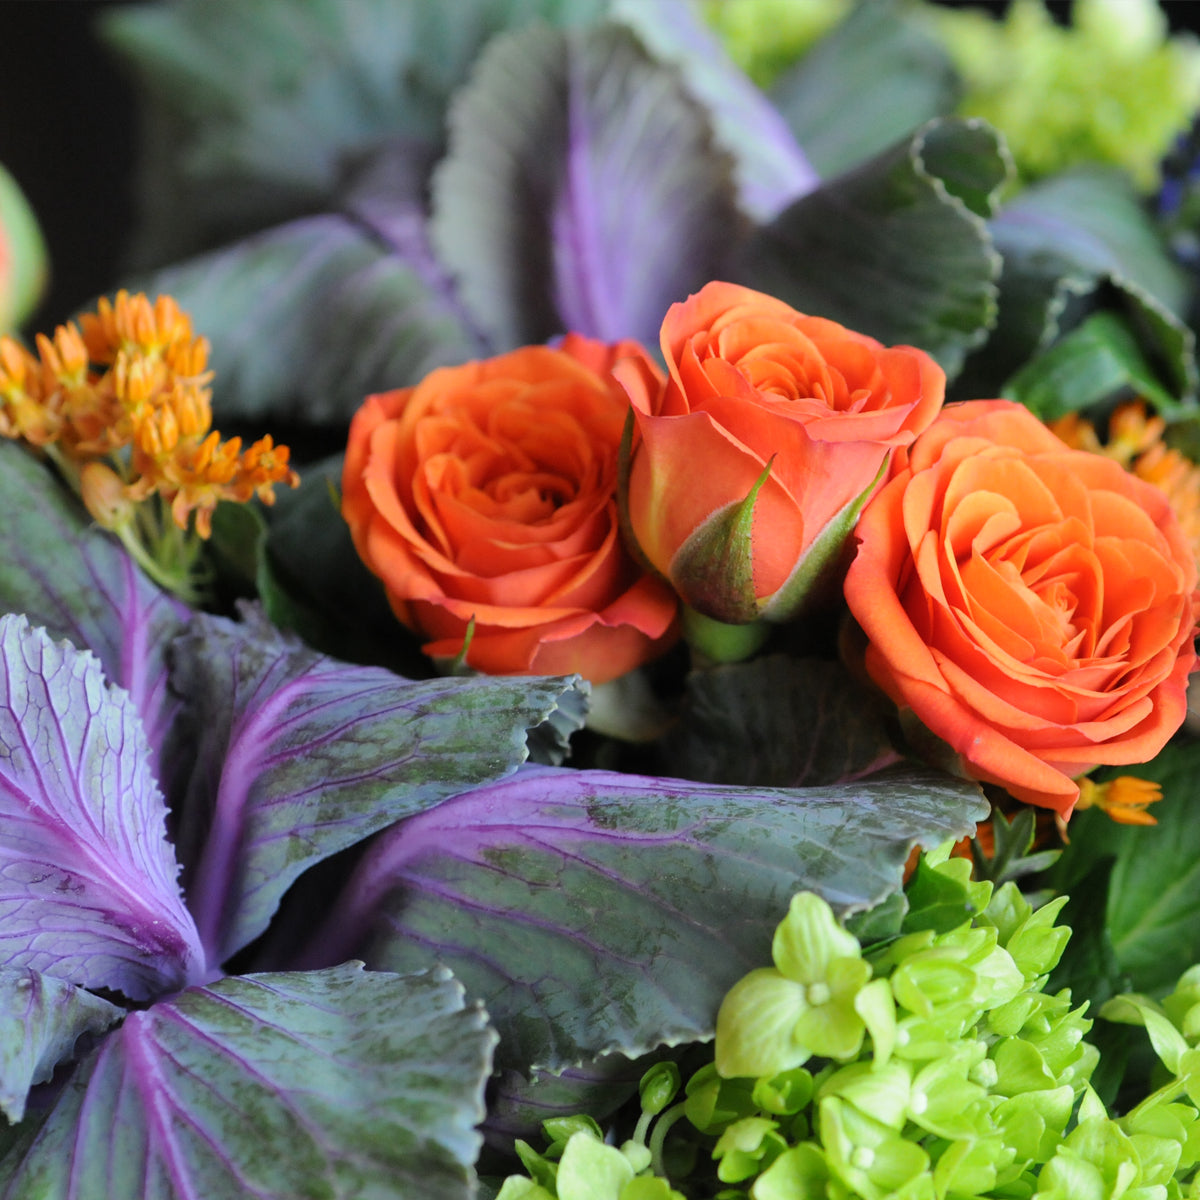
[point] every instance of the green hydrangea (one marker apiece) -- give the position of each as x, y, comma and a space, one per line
931, 1064
1112, 88
764, 37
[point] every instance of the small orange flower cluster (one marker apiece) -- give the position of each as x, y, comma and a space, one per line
1125, 798
1135, 441
133, 377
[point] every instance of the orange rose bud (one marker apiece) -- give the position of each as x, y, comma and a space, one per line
752, 461
484, 498
1028, 603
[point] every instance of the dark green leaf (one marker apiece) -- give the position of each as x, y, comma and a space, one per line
896, 248
1072, 244
936, 901
236, 549
873, 80
1090, 222
316, 585
309, 318
596, 912
1152, 911
881, 923
777, 721
1096, 361
580, 190
330, 1085
1089, 967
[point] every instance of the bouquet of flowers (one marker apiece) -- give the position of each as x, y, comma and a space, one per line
683, 718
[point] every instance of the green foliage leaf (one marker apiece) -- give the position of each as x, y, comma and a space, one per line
896, 248
1152, 910
937, 900
1096, 361
41, 1018
254, 110
591, 912
870, 82
777, 721
278, 1086
1074, 243
309, 318
318, 587
580, 189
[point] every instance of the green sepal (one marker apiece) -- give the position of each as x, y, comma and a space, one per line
756, 1026
822, 566
658, 1087
869, 1157
746, 1148
941, 899
1033, 1122
970, 1167
560, 1130
784, 1094
517, 1187
809, 939
590, 1170
879, 1092
800, 1173
713, 1103
538, 1166
714, 568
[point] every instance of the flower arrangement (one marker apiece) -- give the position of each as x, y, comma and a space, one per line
702, 709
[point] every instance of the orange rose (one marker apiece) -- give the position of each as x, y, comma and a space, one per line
486, 494
767, 410
1029, 603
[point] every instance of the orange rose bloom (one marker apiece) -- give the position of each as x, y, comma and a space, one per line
486, 494
1031, 604
754, 382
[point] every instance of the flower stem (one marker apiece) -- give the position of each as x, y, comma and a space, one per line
659, 1136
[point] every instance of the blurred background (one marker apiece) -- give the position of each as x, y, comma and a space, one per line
68, 136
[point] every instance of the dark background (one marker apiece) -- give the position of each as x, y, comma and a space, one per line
68, 135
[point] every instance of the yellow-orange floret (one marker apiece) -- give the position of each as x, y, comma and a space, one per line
1125, 798
129, 386
133, 324
1135, 441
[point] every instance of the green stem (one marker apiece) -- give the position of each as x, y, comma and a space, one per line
169, 577
719, 642
659, 1136
639, 1132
